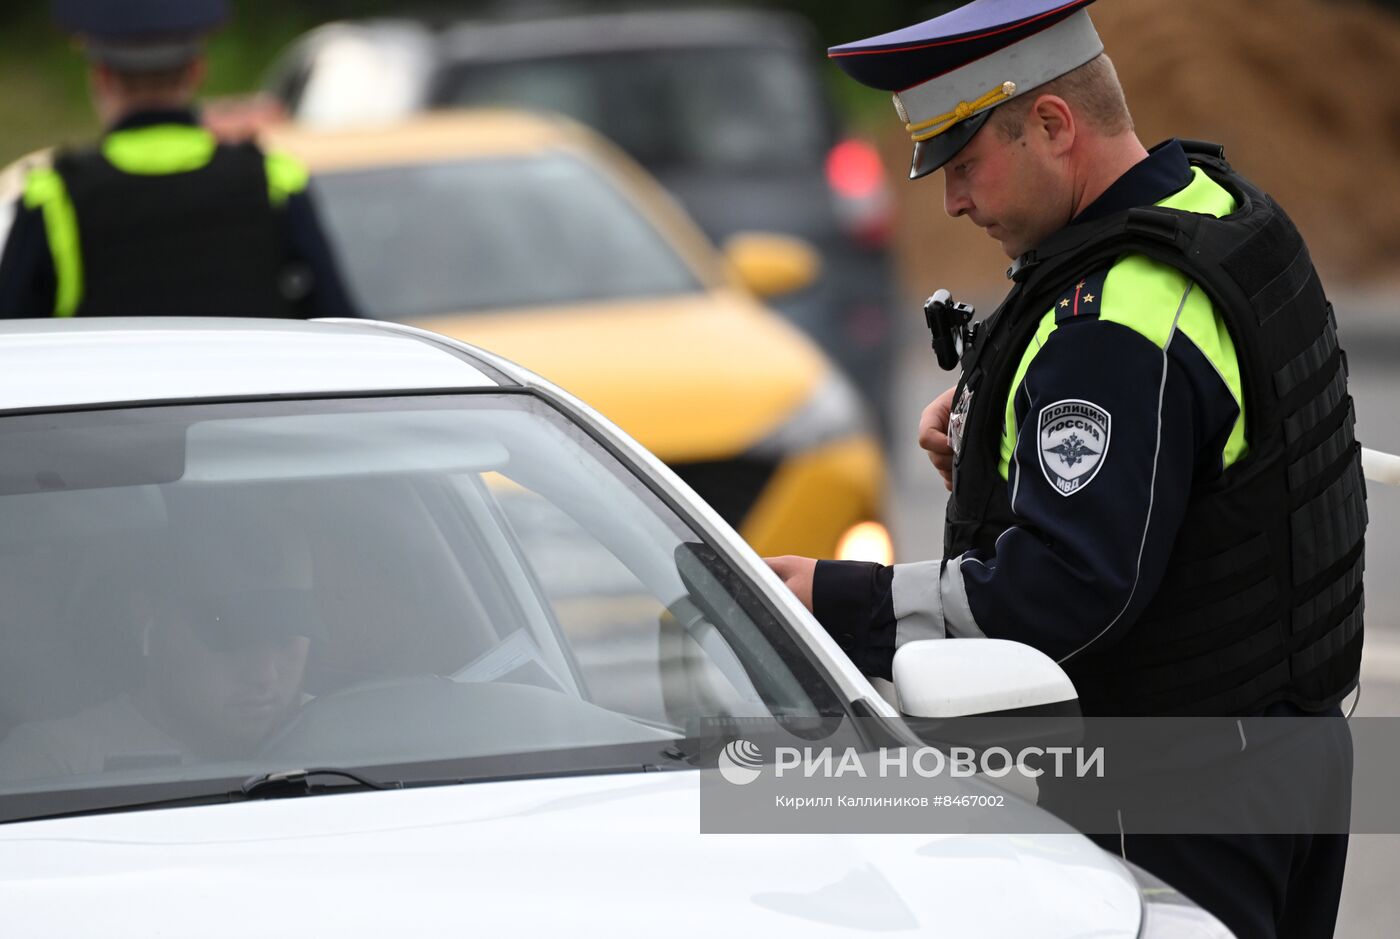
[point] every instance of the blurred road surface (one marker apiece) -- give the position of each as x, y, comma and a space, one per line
1370, 904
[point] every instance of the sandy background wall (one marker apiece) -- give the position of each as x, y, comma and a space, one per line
1304, 94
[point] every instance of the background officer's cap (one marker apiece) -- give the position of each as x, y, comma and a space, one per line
952, 71
141, 35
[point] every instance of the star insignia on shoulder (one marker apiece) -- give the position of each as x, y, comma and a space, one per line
1088, 298
1079, 286
1064, 304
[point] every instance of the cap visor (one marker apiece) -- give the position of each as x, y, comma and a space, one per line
931, 154
153, 57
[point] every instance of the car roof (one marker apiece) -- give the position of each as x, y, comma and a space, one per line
426, 138
618, 32
57, 363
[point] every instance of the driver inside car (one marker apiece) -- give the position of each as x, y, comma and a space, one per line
219, 676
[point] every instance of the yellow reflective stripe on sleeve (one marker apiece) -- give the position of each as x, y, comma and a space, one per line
1157, 287
286, 177
1008, 434
1237, 445
44, 190
1143, 295
1136, 285
1208, 332
160, 150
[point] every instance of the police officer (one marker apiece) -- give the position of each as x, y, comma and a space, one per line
1150, 448
159, 218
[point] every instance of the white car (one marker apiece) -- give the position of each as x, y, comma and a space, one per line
344, 628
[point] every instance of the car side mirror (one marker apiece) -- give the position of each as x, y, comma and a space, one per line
772, 265
941, 679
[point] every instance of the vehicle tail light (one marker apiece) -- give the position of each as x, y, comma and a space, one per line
856, 175
854, 170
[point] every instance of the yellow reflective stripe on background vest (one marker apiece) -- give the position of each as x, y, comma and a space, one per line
163, 150
160, 150
286, 177
1144, 295
178, 148
44, 191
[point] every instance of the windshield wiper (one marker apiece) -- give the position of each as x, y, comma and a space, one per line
20, 807
29, 807
297, 782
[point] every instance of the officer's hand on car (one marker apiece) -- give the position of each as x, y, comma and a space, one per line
933, 435
796, 574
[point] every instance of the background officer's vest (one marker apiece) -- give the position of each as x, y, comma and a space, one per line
1262, 598
201, 241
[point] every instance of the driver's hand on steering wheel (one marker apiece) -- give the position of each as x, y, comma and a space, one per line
796, 574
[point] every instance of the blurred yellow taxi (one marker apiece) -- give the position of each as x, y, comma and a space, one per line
534, 238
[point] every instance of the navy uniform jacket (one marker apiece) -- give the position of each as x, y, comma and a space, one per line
28, 282
1082, 565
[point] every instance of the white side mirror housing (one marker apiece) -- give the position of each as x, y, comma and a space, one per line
945, 678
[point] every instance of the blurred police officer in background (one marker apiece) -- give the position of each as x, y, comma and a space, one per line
1150, 450
160, 218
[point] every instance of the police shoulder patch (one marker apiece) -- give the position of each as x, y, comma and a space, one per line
1083, 298
1073, 442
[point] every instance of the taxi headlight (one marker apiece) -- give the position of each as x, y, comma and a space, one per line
833, 411
1169, 914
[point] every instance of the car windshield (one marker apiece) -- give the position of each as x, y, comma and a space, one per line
417, 589
469, 235
709, 109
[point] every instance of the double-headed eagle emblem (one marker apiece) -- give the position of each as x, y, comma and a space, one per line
1071, 450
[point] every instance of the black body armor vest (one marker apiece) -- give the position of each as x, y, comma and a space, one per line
1262, 598
201, 243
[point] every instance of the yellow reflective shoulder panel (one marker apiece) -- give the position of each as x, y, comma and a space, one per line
41, 186
286, 177
1145, 296
1203, 196
159, 151
44, 191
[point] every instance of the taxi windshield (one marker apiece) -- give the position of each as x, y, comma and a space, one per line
472, 235
211, 592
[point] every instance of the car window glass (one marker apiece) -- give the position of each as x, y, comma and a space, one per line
634, 653
470, 235
256, 587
